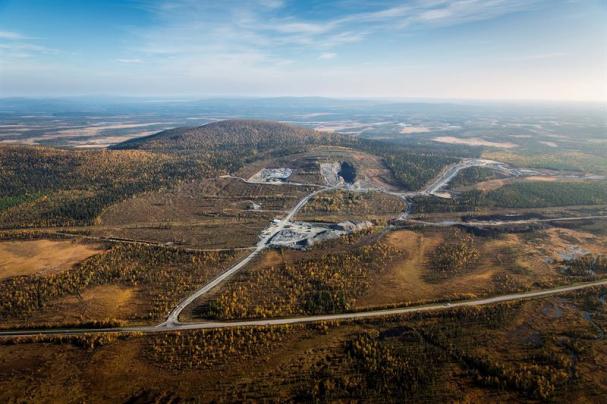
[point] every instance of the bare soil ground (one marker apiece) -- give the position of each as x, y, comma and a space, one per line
370, 169
41, 256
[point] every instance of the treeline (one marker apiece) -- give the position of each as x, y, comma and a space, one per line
374, 368
165, 275
229, 135
30, 170
412, 166
353, 203
588, 265
413, 171
392, 361
538, 377
51, 187
86, 341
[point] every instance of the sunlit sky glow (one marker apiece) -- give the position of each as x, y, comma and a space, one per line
474, 49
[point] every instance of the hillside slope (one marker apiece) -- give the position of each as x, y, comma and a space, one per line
41, 186
224, 134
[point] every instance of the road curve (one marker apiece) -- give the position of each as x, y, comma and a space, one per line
310, 319
173, 317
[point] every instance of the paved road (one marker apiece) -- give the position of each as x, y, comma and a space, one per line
327, 317
451, 171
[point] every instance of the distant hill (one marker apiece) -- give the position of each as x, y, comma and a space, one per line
225, 134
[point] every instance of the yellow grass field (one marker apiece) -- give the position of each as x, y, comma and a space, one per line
41, 256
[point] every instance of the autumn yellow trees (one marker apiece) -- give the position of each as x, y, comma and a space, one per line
164, 275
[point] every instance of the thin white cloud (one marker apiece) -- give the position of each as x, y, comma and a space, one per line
130, 61
272, 3
537, 56
11, 35
202, 38
327, 55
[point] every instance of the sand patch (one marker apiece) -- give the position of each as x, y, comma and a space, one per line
474, 141
541, 178
490, 185
41, 256
407, 130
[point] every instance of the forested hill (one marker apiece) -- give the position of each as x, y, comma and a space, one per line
225, 134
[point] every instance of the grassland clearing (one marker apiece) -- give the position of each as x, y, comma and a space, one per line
19, 258
508, 262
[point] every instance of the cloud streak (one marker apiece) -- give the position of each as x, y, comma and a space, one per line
11, 35
268, 27
341, 47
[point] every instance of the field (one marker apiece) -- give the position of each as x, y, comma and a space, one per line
19, 258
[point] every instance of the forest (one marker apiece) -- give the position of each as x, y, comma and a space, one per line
42, 187
326, 284
519, 195
473, 175
165, 275
454, 256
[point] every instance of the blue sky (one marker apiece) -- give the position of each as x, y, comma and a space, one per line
473, 49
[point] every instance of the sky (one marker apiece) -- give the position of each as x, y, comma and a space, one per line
442, 49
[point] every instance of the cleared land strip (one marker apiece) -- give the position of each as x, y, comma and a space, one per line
327, 317
147, 243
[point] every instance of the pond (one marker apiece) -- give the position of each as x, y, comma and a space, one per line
347, 172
